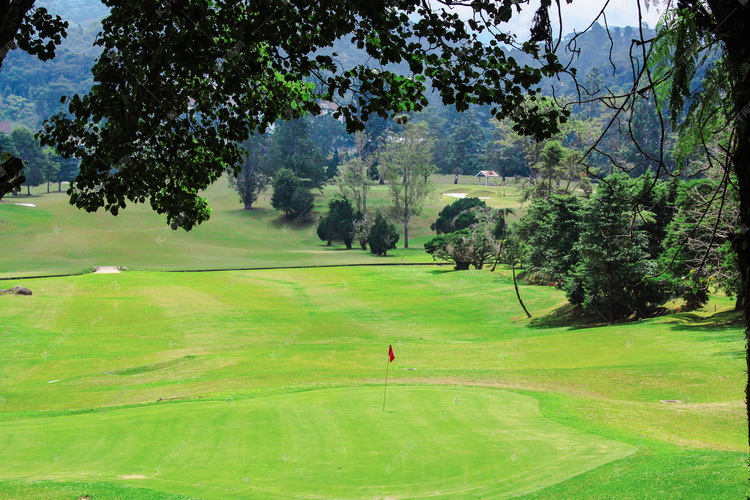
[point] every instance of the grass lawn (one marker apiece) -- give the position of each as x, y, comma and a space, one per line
54, 237
268, 384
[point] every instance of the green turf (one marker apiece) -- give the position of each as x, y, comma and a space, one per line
317, 444
169, 352
54, 237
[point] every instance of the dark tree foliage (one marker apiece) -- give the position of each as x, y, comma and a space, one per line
457, 215
302, 203
547, 238
32, 30
325, 231
338, 224
476, 244
286, 186
464, 146
697, 253
293, 149
452, 246
611, 276
383, 236
658, 197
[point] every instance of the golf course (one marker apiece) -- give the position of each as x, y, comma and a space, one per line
247, 360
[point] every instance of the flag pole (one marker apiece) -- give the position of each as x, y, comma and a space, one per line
385, 387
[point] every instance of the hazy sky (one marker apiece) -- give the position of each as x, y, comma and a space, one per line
580, 13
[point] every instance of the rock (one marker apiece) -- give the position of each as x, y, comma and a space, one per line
20, 290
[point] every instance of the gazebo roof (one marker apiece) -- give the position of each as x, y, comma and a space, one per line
487, 173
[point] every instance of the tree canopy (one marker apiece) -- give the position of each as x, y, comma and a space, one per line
161, 124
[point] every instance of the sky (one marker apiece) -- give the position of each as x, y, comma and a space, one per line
578, 15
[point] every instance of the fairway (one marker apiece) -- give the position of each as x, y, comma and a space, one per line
52, 237
261, 384
334, 443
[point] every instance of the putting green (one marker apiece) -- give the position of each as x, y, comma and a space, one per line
431, 441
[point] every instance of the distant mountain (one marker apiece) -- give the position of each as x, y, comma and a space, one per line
30, 90
80, 12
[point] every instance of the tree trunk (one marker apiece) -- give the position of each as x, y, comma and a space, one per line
611, 302
249, 206
734, 33
515, 284
59, 186
406, 234
28, 190
48, 187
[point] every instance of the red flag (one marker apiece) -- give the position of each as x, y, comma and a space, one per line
390, 353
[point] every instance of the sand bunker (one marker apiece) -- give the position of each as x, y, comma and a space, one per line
107, 269
463, 195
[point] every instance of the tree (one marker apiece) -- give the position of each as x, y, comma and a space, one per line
406, 164
355, 183
332, 165
362, 227
476, 244
697, 250
37, 163
457, 215
36, 32
33, 30
293, 149
503, 152
67, 169
547, 237
552, 157
611, 273
464, 145
289, 196
325, 231
252, 180
339, 222
383, 236
302, 203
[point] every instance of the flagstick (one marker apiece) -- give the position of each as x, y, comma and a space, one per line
385, 388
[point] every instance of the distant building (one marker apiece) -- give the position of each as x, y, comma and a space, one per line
329, 108
487, 174
5, 127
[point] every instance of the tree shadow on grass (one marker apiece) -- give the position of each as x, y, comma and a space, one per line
567, 316
282, 222
442, 271
725, 326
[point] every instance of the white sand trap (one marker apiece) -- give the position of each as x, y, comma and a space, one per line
107, 269
25, 204
133, 476
463, 195
53, 381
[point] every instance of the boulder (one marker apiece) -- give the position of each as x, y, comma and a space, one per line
20, 290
